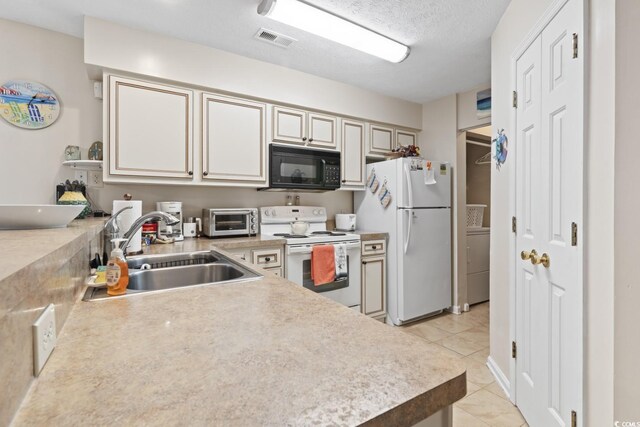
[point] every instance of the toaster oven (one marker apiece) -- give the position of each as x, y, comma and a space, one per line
230, 222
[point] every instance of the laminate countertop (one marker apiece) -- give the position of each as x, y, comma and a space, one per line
263, 352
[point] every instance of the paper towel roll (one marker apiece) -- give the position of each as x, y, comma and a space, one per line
127, 218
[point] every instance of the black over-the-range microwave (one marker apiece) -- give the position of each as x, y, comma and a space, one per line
293, 168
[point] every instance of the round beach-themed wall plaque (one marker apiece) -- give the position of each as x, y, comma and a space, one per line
28, 105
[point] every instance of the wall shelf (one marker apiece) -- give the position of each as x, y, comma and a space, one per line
84, 164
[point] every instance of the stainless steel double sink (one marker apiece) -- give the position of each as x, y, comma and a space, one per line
152, 273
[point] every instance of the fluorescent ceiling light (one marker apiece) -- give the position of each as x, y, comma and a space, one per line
324, 24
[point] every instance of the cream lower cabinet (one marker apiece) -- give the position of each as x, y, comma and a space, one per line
269, 259
233, 141
374, 283
301, 127
352, 154
150, 130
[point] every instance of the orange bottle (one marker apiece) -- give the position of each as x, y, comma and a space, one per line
117, 271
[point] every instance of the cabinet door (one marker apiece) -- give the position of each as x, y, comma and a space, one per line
380, 140
149, 129
289, 125
406, 137
373, 286
322, 130
234, 140
353, 166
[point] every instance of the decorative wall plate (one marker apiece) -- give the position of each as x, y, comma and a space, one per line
28, 105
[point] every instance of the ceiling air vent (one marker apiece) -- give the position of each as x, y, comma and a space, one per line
272, 37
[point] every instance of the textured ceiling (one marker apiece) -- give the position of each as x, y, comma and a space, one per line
449, 39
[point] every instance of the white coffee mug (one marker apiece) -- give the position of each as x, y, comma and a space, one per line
189, 229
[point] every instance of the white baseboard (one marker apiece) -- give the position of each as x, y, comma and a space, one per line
500, 377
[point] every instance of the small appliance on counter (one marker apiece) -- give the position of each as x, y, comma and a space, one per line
346, 222
192, 227
170, 231
230, 222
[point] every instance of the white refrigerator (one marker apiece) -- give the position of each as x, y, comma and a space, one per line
418, 221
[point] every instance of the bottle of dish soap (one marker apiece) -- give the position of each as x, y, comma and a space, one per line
117, 271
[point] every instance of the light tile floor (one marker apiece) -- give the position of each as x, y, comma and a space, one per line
466, 336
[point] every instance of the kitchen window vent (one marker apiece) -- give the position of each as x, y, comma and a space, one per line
272, 37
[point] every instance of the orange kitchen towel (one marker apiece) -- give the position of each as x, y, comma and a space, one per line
323, 264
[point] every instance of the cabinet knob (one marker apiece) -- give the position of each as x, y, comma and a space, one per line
364, 262
374, 247
310, 139
205, 173
267, 259
304, 138
344, 180
190, 172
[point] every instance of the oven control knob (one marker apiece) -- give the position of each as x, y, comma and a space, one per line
266, 212
273, 212
316, 212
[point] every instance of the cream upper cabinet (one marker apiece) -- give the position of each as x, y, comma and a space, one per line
406, 137
233, 140
322, 130
150, 129
289, 125
352, 154
301, 127
381, 140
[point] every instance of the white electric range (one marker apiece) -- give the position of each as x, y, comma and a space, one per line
276, 221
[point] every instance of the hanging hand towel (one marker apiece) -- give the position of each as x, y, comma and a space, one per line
340, 251
323, 264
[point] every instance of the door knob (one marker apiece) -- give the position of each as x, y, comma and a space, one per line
543, 259
525, 255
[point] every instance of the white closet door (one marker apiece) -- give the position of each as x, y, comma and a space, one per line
549, 201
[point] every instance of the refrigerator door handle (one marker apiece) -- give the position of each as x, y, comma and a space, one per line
408, 238
407, 176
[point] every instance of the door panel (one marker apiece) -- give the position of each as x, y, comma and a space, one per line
322, 130
353, 166
549, 188
425, 268
380, 139
289, 125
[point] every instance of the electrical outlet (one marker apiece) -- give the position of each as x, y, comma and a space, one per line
81, 176
44, 338
95, 179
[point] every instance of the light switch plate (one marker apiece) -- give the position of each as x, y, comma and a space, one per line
44, 338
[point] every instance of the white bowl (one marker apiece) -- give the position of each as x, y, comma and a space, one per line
28, 217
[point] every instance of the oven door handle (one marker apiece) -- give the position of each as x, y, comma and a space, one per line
307, 248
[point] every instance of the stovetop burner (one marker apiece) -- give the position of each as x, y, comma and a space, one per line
329, 233
291, 236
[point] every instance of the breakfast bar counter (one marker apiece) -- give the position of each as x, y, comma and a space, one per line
261, 352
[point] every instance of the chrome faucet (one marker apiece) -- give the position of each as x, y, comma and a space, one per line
151, 216
111, 231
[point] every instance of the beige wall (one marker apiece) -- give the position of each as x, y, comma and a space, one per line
113, 46
439, 140
515, 24
31, 160
627, 207
599, 215
467, 116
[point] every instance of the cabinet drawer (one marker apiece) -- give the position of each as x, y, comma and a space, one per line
243, 254
277, 271
267, 258
373, 247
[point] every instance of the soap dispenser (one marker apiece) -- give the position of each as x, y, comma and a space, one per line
117, 270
